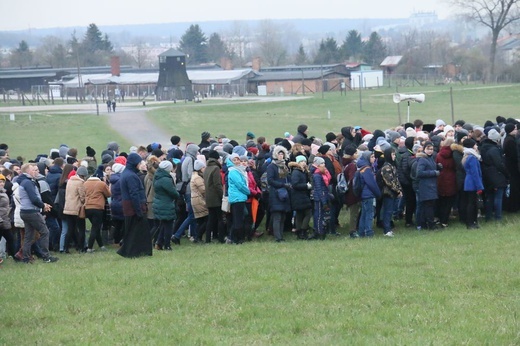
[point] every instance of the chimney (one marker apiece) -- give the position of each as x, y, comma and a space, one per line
226, 64
115, 66
257, 64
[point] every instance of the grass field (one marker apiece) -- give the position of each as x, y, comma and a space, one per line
36, 132
451, 287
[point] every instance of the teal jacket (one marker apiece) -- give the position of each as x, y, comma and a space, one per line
238, 191
165, 196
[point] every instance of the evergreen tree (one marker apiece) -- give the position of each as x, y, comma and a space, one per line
95, 48
301, 57
374, 51
194, 44
352, 47
21, 56
216, 48
328, 52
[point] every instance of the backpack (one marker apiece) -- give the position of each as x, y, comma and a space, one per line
358, 183
342, 186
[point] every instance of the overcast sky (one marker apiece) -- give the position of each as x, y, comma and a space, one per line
66, 13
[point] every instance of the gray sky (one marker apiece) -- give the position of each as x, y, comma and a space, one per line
66, 13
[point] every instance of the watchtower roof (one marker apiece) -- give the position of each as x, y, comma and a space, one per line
172, 52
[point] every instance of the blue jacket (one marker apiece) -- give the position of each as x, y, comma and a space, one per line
53, 179
320, 190
427, 177
473, 180
370, 188
237, 188
133, 197
116, 206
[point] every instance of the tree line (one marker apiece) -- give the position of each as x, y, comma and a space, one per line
278, 44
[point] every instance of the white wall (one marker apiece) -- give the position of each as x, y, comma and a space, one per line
369, 79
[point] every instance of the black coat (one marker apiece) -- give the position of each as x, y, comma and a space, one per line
494, 173
301, 195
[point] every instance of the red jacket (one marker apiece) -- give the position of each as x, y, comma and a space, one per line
446, 181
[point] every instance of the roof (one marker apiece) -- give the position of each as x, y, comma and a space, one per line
172, 52
218, 77
196, 77
53, 72
27, 74
391, 60
299, 68
293, 75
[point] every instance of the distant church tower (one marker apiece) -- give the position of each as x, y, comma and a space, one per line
173, 83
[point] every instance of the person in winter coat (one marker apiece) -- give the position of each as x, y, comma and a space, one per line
351, 138
404, 166
164, 200
74, 201
391, 190
254, 193
301, 195
59, 206
238, 192
5, 222
370, 192
322, 198
116, 206
214, 193
198, 199
51, 217
279, 182
352, 201
137, 241
152, 163
446, 182
460, 175
473, 185
187, 166
511, 156
96, 194
302, 133
427, 172
30, 212
494, 174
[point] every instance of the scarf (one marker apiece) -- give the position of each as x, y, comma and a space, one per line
283, 171
468, 152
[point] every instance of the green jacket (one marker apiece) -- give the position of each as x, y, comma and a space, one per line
165, 196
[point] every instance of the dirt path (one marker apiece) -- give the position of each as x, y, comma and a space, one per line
130, 119
133, 125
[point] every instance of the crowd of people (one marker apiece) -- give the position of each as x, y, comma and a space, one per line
220, 190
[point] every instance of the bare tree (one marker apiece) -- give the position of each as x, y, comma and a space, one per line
270, 46
140, 53
495, 14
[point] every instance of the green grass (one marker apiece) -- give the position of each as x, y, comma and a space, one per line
450, 287
475, 104
236, 116
36, 133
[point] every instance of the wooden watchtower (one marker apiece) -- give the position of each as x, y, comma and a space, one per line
173, 83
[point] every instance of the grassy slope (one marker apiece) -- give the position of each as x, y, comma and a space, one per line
451, 287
